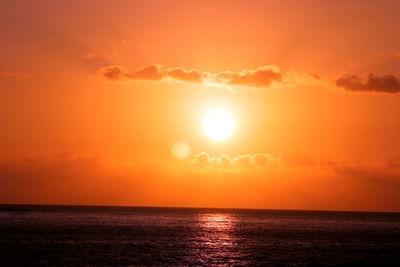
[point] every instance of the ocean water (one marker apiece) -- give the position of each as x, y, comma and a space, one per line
76, 235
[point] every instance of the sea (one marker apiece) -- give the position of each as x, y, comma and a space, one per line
43, 235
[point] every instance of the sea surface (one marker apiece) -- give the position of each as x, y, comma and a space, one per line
82, 235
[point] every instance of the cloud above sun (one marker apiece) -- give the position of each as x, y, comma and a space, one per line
371, 83
259, 78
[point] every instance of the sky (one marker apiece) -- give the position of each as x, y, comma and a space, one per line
103, 103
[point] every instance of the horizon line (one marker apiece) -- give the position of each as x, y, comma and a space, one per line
194, 207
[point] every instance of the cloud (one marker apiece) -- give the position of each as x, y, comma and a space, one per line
259, 160
240, 161
269, 76
262, 159
202, 158
371, 83
263, 77
149, 73
244, 160
192, 76
114, 73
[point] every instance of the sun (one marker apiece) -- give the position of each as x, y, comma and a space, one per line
218, 124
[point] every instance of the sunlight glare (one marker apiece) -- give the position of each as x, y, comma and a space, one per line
218, 124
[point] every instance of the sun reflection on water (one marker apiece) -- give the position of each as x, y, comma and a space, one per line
218, 238
219, 229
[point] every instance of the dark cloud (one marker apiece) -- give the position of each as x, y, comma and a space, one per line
371, 83
114, 73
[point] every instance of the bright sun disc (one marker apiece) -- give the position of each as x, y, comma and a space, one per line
218, 125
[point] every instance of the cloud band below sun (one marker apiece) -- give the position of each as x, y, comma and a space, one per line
249, 161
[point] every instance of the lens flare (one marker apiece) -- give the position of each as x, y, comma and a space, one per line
180, 150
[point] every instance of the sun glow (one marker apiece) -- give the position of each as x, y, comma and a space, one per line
218, 124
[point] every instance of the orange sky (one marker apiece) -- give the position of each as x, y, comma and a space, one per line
93, 94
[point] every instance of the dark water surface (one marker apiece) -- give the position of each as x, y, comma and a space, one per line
72, 235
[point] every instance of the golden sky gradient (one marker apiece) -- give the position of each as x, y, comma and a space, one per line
96, 97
